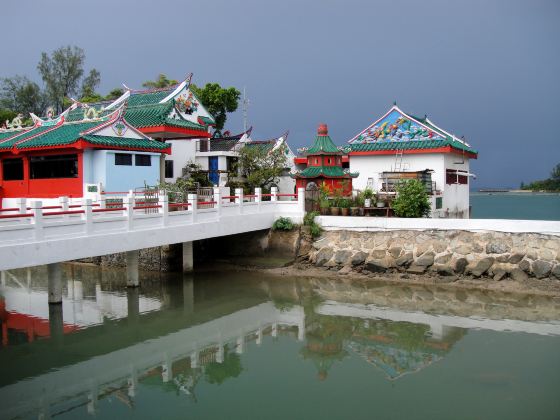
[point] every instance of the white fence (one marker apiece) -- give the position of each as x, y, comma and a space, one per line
38, 234
474, 225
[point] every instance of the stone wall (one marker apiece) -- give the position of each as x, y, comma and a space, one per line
493, 255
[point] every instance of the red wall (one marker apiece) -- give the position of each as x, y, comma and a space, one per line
332, 183
43, 188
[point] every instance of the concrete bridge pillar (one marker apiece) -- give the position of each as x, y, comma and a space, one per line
188, 264
274, 332
188, 295
133, 304
132, 277
54, 274
56, 322
259, 336
240, 345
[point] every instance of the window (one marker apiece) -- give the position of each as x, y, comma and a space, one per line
456, 177
123, 159
12, 169
439, 202
169, 169
57, 166
142, 160
329, 161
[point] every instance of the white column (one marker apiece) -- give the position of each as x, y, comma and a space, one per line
274, 194
188, 263
258, 198
22, 205
193, 205
132, 382
54, 283
129, 212
194, 359
132, 269
301, 331
220, 354
274, 332
259, 337
218, 200
88, 215
239, 199
163, 201
166, 369
301, 201
240, 345
37, 210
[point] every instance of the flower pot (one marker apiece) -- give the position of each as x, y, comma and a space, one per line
354, 211
367, 202
324, 211
380, 204
361, 211
344, 211
335, 211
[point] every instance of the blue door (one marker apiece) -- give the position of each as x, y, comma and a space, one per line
213, 174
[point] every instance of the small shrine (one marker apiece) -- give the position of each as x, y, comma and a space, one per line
324, 166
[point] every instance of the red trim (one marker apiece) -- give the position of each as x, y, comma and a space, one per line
177, 130
445, 149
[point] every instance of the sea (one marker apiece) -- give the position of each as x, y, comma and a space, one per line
519, 206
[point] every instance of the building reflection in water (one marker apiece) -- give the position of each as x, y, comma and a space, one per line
106, 340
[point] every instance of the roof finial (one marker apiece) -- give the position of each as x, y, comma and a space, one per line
323, 130
394, 103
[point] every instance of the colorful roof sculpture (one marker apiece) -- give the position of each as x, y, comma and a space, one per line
81, 126
397, 130
171, 112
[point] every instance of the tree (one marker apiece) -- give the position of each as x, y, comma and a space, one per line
21, 95
550, 184
161, 82
262, 167
555, 174
114, 94
218, 101
412, 200
61, 72
90, 83
6, 115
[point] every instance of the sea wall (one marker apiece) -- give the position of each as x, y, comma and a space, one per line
448, 253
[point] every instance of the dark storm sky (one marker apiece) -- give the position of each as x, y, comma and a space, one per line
488, 69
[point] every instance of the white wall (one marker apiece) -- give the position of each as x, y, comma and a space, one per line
456, 196
182, 152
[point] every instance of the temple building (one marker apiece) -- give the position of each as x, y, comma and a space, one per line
60, 156
324, 166
401, 146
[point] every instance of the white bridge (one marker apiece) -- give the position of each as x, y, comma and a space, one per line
33, 234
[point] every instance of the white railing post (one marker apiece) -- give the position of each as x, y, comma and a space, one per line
63, 201
88, 215
258, 198
239, 199
218, 200
129, 212
301, 200
274, 194
193, 204
22, 205
37, 210
163, 201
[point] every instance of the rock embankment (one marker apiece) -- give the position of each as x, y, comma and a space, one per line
450, 254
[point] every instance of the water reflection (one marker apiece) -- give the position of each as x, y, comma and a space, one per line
175, 334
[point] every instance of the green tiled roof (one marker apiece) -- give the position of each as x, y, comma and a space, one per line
157, 114
126, 142
261, 145
149, 97
7, 134
323, 145
63, 135
329, 171
409, 145
207, 120
8, 144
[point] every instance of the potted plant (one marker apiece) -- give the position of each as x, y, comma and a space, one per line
344, 205
380, 202
368, 195
335, 210
360, 202
324, 199
335, 206
354, 207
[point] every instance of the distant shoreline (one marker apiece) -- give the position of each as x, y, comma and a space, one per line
506, 190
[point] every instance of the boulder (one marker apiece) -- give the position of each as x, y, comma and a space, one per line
345, 270
541, 269
515, 258
416, 269
525, 265
478, 268
404, 260
395, 251
443, 269
443, 259
504, 258
358, 258
518, 274
323, 256
378, 254
342, 256
556, 271
499, 274
425, 259
460, 265
378, 265
497, 248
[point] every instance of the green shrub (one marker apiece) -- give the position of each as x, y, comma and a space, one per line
283, 223
412, 200
309, 220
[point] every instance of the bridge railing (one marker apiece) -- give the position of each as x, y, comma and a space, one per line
32, 221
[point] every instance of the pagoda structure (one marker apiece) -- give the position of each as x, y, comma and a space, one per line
324, 166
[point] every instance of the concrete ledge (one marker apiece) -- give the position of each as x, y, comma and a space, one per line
364, 224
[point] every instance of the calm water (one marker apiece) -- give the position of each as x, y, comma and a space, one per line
243, 346
515, 206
